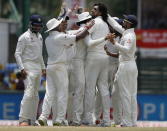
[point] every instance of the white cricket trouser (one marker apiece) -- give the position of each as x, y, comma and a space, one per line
115, 95
29, 103
70, 92
98, 106
126, 78
78, 80
46, 107
57, 90
116, 104
96, 73
113, 66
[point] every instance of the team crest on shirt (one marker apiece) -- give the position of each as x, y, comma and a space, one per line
32, 40
39, 20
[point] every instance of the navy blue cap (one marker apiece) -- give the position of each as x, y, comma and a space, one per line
36, 19
120, 21
131, 18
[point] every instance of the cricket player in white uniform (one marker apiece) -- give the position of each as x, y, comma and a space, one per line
30, 61
114, 89
46, 111
71, 54
78, 73
57, 75
96, 70
126, 76
112, 51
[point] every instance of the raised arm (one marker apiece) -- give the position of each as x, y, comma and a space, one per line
115, 25
85, 32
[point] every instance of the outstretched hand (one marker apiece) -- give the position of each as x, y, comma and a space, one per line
111, 38
108, 36
23, 74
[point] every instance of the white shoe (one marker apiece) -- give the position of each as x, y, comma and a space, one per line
42, 122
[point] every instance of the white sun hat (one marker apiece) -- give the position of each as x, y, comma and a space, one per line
53, 23
83, 16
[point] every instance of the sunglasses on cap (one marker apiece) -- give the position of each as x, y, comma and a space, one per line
127, 21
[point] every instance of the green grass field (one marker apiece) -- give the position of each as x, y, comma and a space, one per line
17, 128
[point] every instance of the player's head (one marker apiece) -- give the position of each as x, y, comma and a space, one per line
130, 21
83, 18
36, 23
99, 9
56, 25
63, 26
119, 21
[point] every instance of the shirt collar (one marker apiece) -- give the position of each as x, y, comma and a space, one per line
33, 34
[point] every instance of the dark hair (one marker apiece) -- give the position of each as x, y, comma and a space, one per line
103, 9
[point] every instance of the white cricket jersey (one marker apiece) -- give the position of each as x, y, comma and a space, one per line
80, 46
99, 30
71, 52
112, 49
56, 45
29, 49
127, 45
